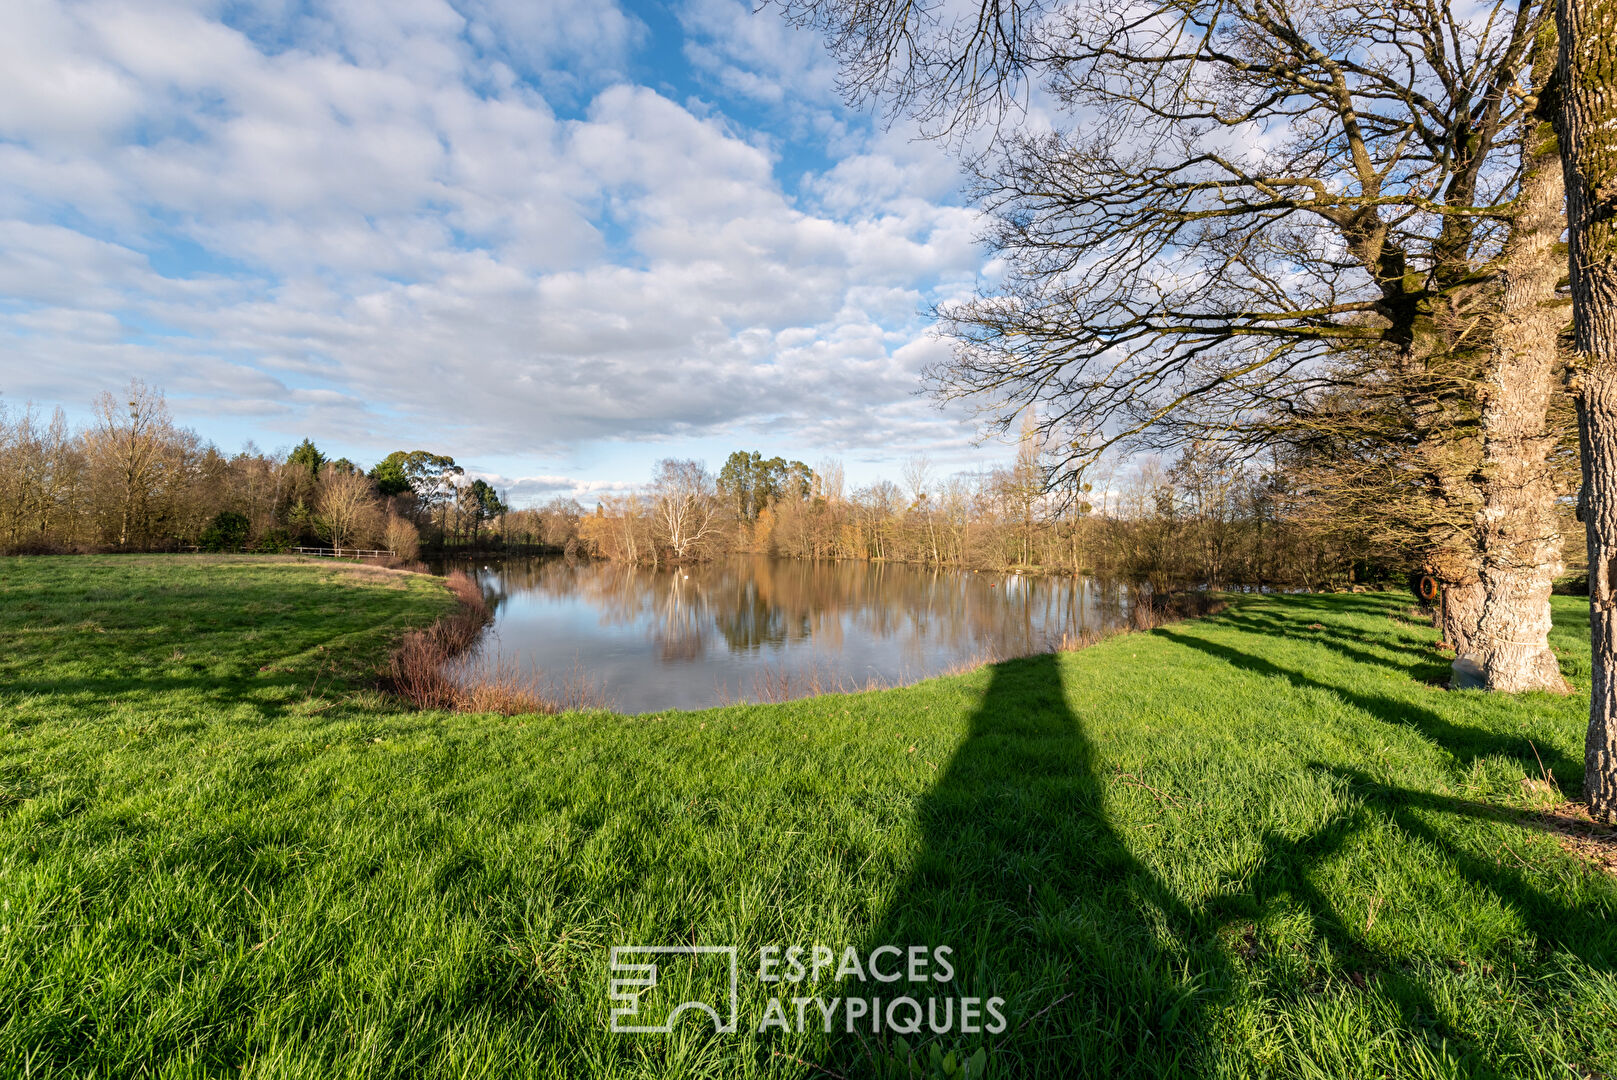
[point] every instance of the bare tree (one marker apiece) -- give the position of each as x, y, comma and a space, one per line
41, 475
137, 453
831, 476
345, 508
685, 504
1261, 185
917, 471
401, 536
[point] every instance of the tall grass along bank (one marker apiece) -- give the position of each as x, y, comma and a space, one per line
1263, 843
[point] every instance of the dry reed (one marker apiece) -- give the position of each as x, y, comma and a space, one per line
441, 667
775, 685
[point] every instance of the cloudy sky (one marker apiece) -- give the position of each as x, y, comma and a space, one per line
558, 240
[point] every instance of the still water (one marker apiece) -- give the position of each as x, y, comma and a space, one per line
754, 628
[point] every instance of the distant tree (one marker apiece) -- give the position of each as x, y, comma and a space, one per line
686, 505
307, 456
41, 470
752, 482
346, 510
735, 482
137, 455
917, 471
829, 474
226, 532
479, 503
401, 537
558, 523
431, 477
389, 475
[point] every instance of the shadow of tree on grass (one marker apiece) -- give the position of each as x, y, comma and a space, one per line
1462, 741
1106, 970
1024, 876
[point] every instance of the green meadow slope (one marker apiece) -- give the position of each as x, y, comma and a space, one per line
1263, 843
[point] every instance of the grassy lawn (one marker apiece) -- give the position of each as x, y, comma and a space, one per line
1258, 844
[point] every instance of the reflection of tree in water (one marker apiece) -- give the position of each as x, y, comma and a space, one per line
929, 609
748, 621
755, 604
553, 576
681, 618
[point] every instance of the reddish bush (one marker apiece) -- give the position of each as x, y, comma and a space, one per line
423, 669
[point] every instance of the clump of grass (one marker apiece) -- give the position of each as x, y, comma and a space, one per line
498, 684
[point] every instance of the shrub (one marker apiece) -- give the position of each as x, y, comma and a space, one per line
401, 538
275, 542
416, 668
226, 532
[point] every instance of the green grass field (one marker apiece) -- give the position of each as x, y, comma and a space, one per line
1260, 844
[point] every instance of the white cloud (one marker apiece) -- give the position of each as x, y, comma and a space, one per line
372, 220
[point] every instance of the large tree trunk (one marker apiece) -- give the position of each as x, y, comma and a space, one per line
1597, 430
1587, 74
1519, 538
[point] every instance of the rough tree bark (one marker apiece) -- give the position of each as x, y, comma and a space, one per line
1587, 75
1459, 614
1518, 535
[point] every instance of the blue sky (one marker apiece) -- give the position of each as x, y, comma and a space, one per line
556, 240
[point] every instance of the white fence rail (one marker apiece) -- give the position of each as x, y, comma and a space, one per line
346, 553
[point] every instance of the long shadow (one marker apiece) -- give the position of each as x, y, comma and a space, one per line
1022, 874
1587, 934
1283, 874
1105, 971
1463, 742
1412, 657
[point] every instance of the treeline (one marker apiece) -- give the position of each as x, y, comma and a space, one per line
134, 480
1206, 516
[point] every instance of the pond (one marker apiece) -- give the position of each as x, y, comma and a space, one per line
762, 629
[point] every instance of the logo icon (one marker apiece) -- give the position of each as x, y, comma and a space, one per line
695, 974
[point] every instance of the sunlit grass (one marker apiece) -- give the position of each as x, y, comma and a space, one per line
1262, 843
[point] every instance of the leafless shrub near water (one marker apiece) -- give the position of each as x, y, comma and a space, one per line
417, 669
441, 667
494, 683
1154, 611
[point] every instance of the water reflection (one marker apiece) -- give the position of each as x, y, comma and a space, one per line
738, 629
